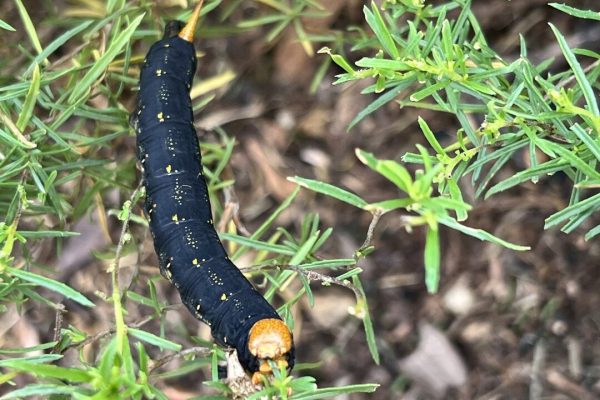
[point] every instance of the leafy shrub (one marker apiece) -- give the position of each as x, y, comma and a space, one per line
59, 160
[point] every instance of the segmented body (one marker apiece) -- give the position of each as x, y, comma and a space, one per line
177, 204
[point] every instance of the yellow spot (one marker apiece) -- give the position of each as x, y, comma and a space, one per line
195, 261
159, 72
160, 117
168, 168
223, 297
175, 218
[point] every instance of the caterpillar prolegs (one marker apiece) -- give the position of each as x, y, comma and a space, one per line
177, 205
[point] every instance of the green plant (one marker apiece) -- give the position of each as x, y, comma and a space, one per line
61, 119
58, 161
436, 63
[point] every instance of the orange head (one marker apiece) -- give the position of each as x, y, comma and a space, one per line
269, 340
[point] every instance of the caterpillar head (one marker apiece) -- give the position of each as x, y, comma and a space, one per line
269, 340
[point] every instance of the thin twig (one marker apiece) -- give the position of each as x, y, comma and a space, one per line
58, 319
538, 364
107, 332
376, 216
573, 77
199, 350
125, 226
231, 212
310, 275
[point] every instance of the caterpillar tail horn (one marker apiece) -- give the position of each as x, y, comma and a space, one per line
187, 33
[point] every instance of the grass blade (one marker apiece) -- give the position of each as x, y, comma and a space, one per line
330, 190
51, 284
116, 46
30, 99
153, 339
479, 233
584, 84
432, 260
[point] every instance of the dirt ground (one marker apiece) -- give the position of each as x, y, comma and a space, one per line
504, 325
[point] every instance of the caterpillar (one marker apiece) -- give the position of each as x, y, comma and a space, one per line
177, 206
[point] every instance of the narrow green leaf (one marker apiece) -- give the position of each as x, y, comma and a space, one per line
142, 357
584, 84
50, 371
576, 12
548, 167
29, 27
307, 289
432, 260
430, 137
330, 190
17, 350
41, 359
338, 59
568, 155
138, 298
257, 244
19, 139
381, 101
57, 43
389, 205
328, 393
275, 214
367, 323
51, 284
115, 47
591, 143
478, 233
153, 339
335, 263
41, 390
380, 29
41, 234
572, 211
437, 203
592, 232
382, 63
30, 100
428, 90
390, 169
305, 249
6, 26
269, 19
447, 44
353, 272
456, 194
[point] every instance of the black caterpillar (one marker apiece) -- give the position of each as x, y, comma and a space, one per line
177, 205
